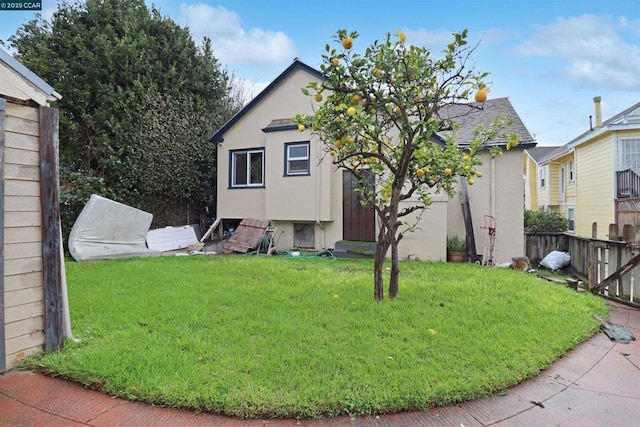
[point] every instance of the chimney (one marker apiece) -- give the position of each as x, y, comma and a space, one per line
596, 101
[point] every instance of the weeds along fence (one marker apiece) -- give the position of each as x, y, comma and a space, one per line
609, 267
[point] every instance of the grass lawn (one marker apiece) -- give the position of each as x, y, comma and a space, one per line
271, 337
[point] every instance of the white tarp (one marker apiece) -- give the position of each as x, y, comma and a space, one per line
108, 229
171, 238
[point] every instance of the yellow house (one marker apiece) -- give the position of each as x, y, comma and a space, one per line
269, 170
594, 177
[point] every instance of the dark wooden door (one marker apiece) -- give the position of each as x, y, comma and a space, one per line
358, 222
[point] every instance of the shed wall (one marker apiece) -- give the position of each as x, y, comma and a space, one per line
22, 265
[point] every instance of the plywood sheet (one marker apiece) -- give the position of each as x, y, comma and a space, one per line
247, 236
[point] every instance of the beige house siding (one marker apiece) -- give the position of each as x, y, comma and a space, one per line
500, 194
23, 284
595, 164
530, 179
312, 199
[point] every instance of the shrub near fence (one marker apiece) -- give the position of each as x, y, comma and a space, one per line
593, 260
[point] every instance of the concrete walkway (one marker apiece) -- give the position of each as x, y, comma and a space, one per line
595, 384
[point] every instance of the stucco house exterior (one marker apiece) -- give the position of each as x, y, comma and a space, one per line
269, 170
593, 178
31, 299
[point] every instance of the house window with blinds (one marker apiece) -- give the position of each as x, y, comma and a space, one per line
629, 153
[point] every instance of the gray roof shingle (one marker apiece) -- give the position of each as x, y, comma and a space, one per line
470, 115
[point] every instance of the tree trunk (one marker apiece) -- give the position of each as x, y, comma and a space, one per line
395, 270
382, 246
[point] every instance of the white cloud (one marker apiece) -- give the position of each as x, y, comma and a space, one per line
595, 52
232, 43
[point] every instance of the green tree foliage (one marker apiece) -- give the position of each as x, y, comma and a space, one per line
381, 114
545, 220
140, 100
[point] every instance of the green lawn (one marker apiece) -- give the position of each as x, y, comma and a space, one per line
267, 337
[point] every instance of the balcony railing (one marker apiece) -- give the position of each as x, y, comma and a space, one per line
628, 183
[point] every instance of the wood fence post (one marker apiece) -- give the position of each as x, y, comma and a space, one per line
613, 232
594, 230
628, 234
592, 254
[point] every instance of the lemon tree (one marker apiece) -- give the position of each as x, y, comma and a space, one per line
382, 115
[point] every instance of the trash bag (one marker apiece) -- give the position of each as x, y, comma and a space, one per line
555, 260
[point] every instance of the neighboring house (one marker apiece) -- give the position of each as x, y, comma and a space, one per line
269, 170
594, 177
550, 180
31, 296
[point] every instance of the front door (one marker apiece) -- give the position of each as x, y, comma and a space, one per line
358, 222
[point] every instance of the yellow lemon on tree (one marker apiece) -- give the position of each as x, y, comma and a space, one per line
335, 62
351, 111
377, 72
338, 143
420, 173
318, 97
470, 181
467, 168
465, 158
301, 128
356, 99
481, 95
350, 140
347, 42
448, 172
398, 110
479, 174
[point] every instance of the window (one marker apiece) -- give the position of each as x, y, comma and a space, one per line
296, 160
570, 170
629, 153
571, 216
247, 168
543, 175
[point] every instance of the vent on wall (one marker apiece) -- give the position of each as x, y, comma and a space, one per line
304, 235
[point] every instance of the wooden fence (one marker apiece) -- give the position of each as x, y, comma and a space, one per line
609, 267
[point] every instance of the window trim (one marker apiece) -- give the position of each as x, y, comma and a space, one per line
570, 171
232, 169
287, 158
621, 150
571, 221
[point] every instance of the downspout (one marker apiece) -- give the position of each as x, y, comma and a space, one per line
492, 193
318, 194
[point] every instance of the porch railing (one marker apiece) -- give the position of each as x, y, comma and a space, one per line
628, 183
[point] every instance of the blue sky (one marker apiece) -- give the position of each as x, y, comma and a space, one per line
550, 57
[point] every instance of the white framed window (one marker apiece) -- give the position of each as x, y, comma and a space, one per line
543, 177
246, 168
571, 216
570, 171
628, 153
296, 160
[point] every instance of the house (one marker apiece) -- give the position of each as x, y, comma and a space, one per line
31, 295
594, 178
269, 170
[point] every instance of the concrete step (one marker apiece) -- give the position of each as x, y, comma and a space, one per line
354, 249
